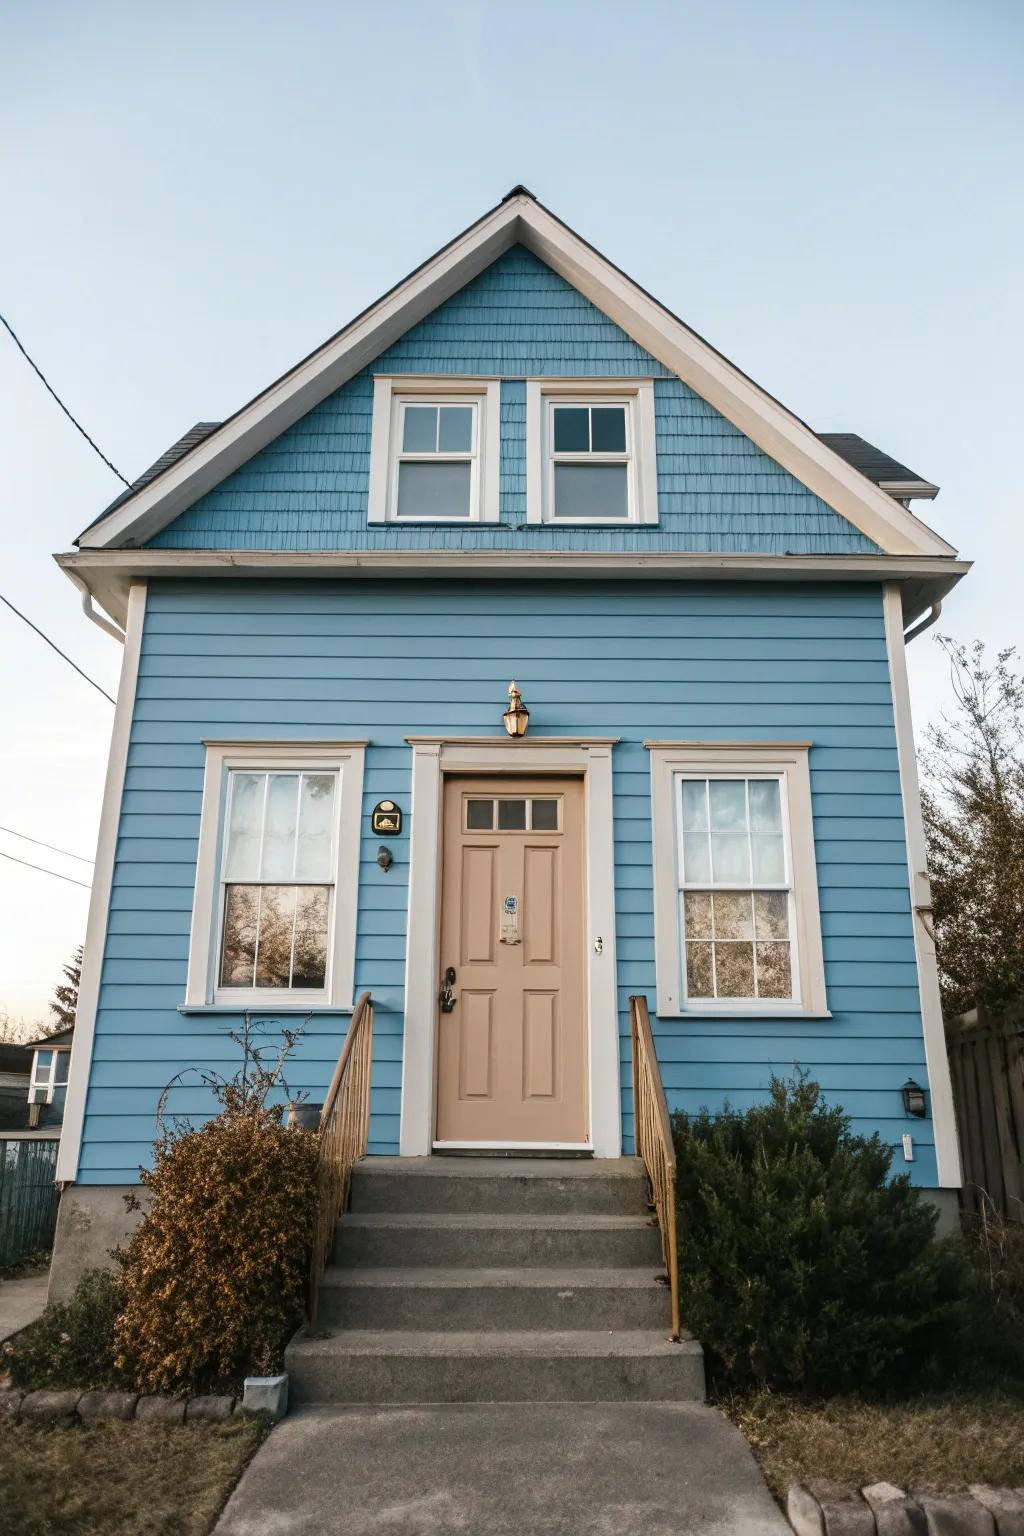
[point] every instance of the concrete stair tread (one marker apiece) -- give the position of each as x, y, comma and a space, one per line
549, 1277
503, 1167
548, 1343
478, 1221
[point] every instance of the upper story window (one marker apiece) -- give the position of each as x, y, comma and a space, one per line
591, 452
434, 455
49, 1075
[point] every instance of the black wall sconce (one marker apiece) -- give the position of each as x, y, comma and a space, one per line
914, 1099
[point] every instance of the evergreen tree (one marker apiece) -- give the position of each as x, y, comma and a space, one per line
64, 1004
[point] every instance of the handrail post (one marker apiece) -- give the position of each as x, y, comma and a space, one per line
653, 1140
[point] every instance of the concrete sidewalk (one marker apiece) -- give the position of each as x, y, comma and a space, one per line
21, 1302
504, 1469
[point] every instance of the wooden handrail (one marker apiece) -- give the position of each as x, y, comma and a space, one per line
344, 1132
654, 1144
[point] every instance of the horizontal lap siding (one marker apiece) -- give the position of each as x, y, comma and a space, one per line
260, 660
716, 489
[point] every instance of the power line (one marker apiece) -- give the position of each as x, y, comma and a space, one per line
43, 871
76, 424
56, 648
40, 844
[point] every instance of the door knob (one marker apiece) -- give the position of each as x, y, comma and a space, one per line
446, 997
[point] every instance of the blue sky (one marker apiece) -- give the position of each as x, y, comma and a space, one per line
195, 195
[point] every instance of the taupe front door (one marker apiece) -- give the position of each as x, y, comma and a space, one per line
512, 1046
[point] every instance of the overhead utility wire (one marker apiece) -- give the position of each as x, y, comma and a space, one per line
56, 648
43, 871
40, 844
76, 424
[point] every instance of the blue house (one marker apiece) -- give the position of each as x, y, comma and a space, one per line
515, 466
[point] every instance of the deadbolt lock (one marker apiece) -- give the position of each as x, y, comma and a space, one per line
446, 997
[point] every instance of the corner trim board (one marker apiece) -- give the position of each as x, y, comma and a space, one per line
99, 900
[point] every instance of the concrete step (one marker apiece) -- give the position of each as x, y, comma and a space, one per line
384, 1241
482, 1300
409, 1367
543, 1186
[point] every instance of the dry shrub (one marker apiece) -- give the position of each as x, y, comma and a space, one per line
214, 1277
996, 1250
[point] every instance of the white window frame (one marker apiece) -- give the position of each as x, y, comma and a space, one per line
671, 763
41, 1082
346, 759
391, 394
637, 395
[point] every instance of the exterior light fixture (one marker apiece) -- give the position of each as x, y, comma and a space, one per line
913, 1099
517, 716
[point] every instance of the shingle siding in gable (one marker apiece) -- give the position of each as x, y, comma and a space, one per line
717, 491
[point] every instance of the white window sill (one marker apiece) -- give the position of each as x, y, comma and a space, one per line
742, 1013
265, 1007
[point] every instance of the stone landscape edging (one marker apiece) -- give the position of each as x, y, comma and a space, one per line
67, 1407
822, 1508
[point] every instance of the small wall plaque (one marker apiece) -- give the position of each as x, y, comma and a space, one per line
386, 819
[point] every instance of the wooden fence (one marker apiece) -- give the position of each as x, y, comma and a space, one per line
28, 1196
986, 1059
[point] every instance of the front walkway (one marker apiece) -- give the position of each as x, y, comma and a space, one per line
21, 1302
507, 1469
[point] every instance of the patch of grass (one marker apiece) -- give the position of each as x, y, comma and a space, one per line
939, 1441
28, 1264
121, 1479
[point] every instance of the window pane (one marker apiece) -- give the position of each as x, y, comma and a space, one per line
728, 805
274, 951
572, 429
44, 1066
765, 805
241, 911
696, 858
63, 1062
279, 827
697, 914
695, 805
479, 815
545, 816
608, 429
771, 915
433, 490
591, 491
310, 965
734, 970
420, 431
730, 855
242, 860
699, 975
511, 815
769, 859
456, 435
316, 821
733, 915
773, 972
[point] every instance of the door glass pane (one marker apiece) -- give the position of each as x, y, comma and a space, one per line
479, 815
316, 821
608, 429
420, 431
274, 950
765, 805
734, 970
279, 827
730, 854
433, 490
456, 432
596, 491
728, 805
309, 967
242, 860
511, 815
545, 816
572, 429
695, 805
241, 917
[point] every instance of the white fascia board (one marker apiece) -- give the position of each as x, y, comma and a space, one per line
521, 219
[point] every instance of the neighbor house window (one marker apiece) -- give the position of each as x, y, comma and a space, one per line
434, 451
591, 452
49, 1076
278, 863
736, 902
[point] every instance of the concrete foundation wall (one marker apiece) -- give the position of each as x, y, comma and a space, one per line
92, 1219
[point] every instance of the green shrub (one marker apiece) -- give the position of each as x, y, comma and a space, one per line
72, 1344
214, 1277
804, 1267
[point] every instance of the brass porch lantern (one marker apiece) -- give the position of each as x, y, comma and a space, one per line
517, 716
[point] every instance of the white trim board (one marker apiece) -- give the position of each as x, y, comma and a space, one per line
430, 761
520, 219
947, 1146
99, 900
